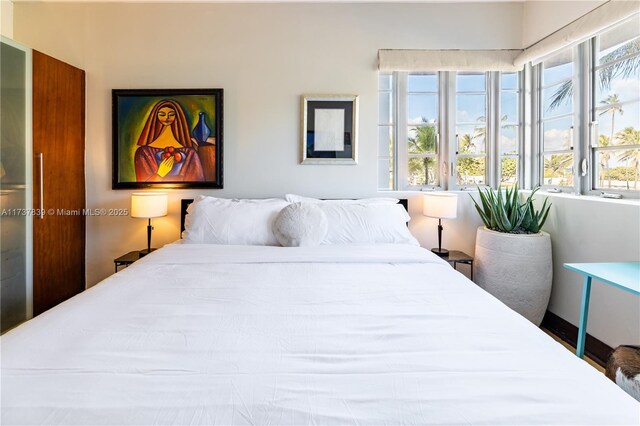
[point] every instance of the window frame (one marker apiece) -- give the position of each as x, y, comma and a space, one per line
454, 139
539, 119
497, 122
393, 125
446, 132
591, 67
402, 116
585, 121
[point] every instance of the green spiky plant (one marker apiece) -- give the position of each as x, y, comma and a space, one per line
501, 211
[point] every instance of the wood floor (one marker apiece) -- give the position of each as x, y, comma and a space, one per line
573, 350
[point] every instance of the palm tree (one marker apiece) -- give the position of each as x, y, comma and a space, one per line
612, 102
463, 167
480, 132
630, 136
563, 94
556, 164
423, 142
623, 69
466, 144
468, 166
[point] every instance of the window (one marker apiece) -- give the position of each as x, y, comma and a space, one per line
589, 114
471, 129
556, 125
615, 113
422, 129
510, 127
456, 130
428, 139
386, 132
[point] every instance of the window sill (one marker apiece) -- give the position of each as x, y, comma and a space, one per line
593, 198
418, 193
526, 192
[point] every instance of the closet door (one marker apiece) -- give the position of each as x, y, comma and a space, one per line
15, 184
58, 170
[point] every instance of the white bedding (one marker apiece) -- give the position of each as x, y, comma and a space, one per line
201, 335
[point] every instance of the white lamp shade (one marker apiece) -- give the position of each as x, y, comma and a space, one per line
149, 204
443, 205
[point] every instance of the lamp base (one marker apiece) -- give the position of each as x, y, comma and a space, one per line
146, 251
440, 252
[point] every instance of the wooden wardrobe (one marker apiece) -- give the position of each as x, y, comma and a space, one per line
58, 181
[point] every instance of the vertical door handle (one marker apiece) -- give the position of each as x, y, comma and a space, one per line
40, 156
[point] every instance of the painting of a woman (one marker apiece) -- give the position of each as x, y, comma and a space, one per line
167, 138
166, 152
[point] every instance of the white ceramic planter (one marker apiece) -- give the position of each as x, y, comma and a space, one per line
517, 269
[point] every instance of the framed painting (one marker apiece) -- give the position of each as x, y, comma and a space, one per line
329, 129
167, 138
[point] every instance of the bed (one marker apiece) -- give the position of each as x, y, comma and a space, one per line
366, 334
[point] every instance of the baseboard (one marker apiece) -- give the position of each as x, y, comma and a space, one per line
594, 348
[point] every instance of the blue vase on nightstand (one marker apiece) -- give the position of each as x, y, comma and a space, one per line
201, 132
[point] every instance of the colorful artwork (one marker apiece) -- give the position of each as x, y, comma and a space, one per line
167, 138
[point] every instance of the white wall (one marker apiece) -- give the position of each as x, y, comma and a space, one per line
584, 229
543, 17
265, 57
587, 229
6, 18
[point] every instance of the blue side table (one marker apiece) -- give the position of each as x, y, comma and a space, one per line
624, 275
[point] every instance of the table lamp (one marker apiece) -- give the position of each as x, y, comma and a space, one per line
441, 205
148, 205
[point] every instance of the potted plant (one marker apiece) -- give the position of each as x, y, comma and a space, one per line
513, 255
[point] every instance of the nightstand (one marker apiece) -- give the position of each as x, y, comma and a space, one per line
456, 257
126, 259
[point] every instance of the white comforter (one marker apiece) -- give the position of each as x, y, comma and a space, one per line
202, 335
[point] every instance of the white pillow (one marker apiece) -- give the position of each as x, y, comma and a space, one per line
367, 224
300, 224
292, 198
223, 221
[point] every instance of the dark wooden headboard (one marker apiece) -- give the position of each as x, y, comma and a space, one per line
184, 203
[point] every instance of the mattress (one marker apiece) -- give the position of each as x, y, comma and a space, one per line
234, 335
